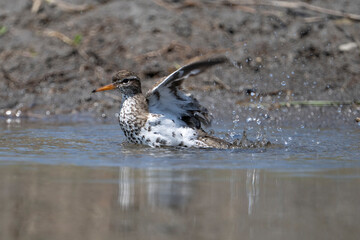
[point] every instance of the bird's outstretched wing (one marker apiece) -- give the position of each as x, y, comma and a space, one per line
167, 97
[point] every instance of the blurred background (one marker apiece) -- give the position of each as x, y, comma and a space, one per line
285, 54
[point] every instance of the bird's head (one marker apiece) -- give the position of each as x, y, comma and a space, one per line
127, 82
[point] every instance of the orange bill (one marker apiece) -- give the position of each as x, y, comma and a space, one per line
105, 88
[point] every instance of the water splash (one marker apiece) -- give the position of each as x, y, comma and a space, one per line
18, 113
244, 142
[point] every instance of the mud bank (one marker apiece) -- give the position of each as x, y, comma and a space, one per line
290, 63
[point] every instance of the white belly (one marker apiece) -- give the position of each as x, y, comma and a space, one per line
160, 131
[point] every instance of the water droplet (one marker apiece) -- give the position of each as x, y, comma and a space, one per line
287, 76
249, 119
8, 112
47, 113
283, 83
236, 119
18, 113
271, 75
252, 94
258, 121
8, 121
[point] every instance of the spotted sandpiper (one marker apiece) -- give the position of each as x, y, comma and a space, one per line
166, 115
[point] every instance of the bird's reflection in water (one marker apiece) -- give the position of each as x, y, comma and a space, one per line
164, 184
252, 188
174, 189
126, 194
154, 188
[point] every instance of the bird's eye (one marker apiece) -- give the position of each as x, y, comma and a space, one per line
125, 80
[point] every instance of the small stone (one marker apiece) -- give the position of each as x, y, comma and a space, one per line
346, 47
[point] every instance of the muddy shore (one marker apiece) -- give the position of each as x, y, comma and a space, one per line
289, 63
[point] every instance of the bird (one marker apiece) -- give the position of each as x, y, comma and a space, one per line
166, 116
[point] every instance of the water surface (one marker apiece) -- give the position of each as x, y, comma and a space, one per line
80, 181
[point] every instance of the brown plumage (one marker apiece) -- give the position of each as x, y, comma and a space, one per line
166, 115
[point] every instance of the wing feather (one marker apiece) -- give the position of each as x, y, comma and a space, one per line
167, 97
189, 70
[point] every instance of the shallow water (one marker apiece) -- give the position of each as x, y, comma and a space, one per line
79, 181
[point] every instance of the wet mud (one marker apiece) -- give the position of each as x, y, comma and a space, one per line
294, 63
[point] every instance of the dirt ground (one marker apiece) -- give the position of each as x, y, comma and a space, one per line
291, 62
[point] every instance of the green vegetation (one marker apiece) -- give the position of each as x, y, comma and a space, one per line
3, 30
315, 103
77, 39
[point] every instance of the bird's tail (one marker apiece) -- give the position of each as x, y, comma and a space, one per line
244, 142
213, 142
